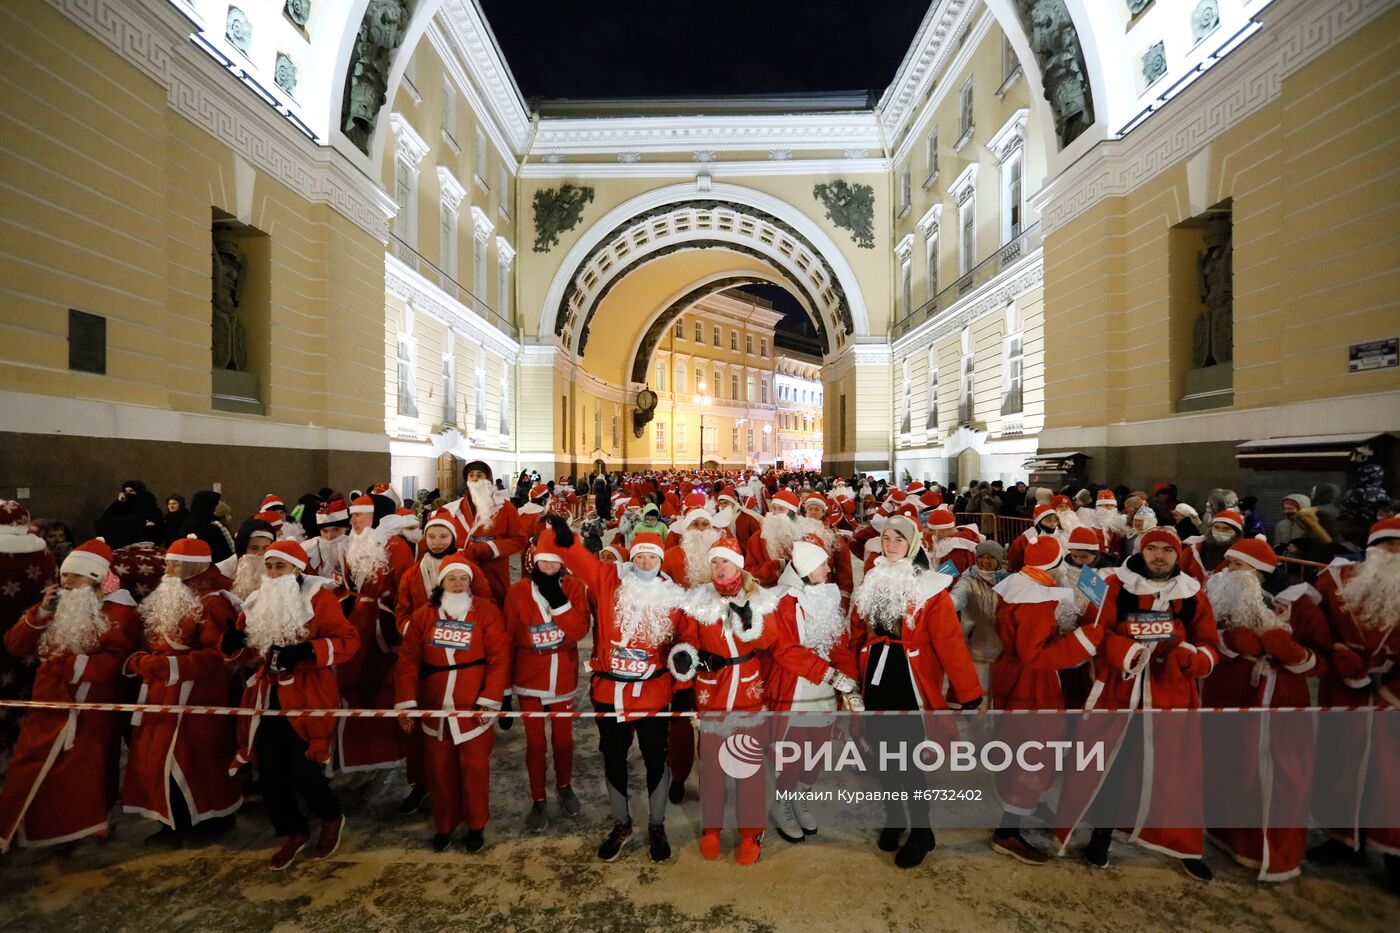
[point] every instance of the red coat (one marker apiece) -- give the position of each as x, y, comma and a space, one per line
674, 564
764, 567
707, 625
366, 682
1034, 650
792, 660
415, 584
59, 785
310, 684
491, 547
191, 750
431, 674
546, 661
628, 674
26, 567
746, 525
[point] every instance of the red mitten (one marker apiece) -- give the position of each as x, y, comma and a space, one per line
1280, 644
1177, 663
1200, 666
1347, 663
1095, 633
1243, 641
480, 552
153, 667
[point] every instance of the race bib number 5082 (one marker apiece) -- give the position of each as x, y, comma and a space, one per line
453, 633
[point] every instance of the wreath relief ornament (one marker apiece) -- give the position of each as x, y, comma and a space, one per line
850, 207
558, 212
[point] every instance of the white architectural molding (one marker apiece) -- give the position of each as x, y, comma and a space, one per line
452, 191
690, 134
505, 253
539, 354
493, 90
1295, 32
1011, 135
482, 227
558, 169
997, 293
904, 249
929, 222
930, 49
967, 179
409, 147
425, 297
952, 60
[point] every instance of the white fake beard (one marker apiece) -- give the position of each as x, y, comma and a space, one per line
1068, 521
696, 546
77, 624
810, 526
824, 623
1372, 595
332, 554
277, 613
779, 532
1237, 596
412, 535
165, 608
1112, 520
457, 605
249, 575
886, 593
641, 616
366, 556
483, 498
942, 547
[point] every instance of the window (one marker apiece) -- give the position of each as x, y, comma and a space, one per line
699, 332
406, 196
750, 389
504, 420
597, 423
480, 422
504, 192
930, 155
906, 287
931, 258
717, 385
680, 378
904, 421
680, 435
765, 440
931, 422
734, 387
408, 405
481, 166
967, 384
1011, 198
750, 440
479, 268
563, 422
715, 335
734, 440
449, 388
748, 343
447, 259
906, 190
660, 436
763, 396
763, 347
616, 431
965, 109
967, 238
449, 114
734, 341
503, 289
1009, 63
680, 329
841, 413
661, 375
1011, 377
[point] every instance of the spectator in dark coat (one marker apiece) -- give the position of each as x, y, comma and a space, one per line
175, 515
204, 525
133, 516
602, 497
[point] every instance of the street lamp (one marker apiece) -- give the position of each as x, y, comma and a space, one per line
703, 400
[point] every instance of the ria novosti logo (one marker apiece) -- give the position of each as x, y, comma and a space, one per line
741, 756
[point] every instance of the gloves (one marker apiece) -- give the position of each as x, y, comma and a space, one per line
974, 704
682, 663
1280, 644
562, 532
487, 713
151, 667
855, 702
286, 657
744, 613
840, 682
480, 552
1183, 664
233, 641
552, 590
1347, 663
1245, 642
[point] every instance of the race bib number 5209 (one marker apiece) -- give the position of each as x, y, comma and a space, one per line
453, 633
1150, 626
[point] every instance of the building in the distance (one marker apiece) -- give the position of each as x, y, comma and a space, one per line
799, 397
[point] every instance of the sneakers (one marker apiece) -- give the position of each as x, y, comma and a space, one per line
656, 839
889, 838
1197, 868
1097, 852
677, 792
475, 841
417, 796
919, 844
612, 846
441, 841
329, 841
291, 847
785, 821
750, 847
568, 801
709, 844
803, 812
1016, 846
538, 818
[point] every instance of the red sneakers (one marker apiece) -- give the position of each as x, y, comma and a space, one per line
709, 844
750, 846
291, 846
330, 839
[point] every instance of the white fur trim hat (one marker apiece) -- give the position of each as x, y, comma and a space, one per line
807, 555
91, 559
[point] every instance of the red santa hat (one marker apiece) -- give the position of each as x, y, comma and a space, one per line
815, 497
290, 551
618, 550
538, 491
91, 559
970, 533
274, 519
272, 501
941, 519
1162, 534
1106, 497
443, 519
808, 553
189, 549
1084, 539
787, 499
1040, 512
1044, 553
1230, 517
454, 562
14, 517
646, 542
363, 505
1255, 552
1060, 501
695, 500
547, 548
726, 546
333, 513
727, 494
931, 499
914, 488
1387, 529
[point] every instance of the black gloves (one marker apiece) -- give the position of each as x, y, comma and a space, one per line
233, 641
562, 532
289, 656
744, 613
551, 589
682, 662
975, 704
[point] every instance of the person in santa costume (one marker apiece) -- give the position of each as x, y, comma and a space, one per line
815, 510
1362, 604
944, 542
326, 553
546, 615
1038, 623
292, 633
1202, 555
58, 788
455, 656
27, 566
491, 531
745, 521
722, 630
175, 772
1111, 523
976, 603
809, 669
1270, 647
633, 632
248, 545
1044, 521
768, 550
1064, 511
1160, 641
907, 638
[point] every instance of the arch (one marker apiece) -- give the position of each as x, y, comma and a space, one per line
735, 197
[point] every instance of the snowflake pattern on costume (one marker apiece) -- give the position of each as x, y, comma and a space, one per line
754, 691
10, 589
33, 571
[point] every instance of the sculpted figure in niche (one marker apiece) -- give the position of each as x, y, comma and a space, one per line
381, 32
1213, 337
229, 342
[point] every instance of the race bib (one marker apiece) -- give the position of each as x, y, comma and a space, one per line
453, 633
545, 635
1150, 626
629, 663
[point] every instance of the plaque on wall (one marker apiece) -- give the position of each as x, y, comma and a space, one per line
1378, 354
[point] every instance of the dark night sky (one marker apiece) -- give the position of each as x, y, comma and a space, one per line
588, 49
